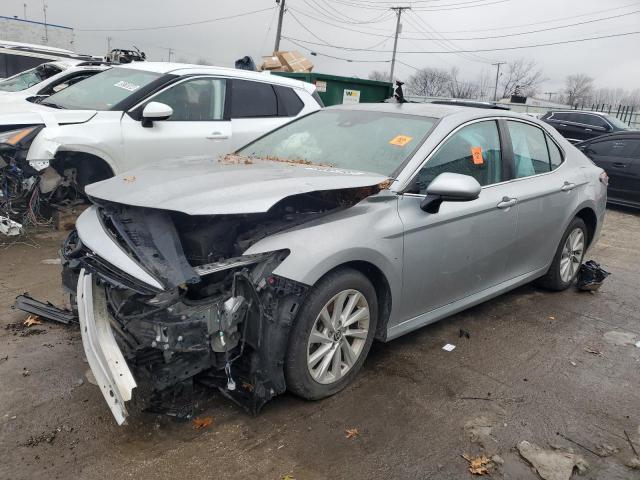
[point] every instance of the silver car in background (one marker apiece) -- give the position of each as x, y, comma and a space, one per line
275, 268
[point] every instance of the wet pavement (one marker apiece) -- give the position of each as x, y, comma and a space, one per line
558, 370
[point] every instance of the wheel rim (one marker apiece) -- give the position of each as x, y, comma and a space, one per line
572, 255
338, 336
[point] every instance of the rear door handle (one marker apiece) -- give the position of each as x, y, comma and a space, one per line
620, 165
507, 202
217, 136
562, 125
567, 187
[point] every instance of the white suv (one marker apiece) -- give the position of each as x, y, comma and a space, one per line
47, 79
148, 112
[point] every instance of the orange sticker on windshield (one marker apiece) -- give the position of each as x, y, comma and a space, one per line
400, 140
476, 155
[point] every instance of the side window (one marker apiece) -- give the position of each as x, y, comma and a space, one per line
289, 103
561, 117
530, 154
200, 99
253, 99
474, 150
614, 148
555, 155
595, 120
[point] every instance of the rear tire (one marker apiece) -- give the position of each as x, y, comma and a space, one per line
568, 258
332, 335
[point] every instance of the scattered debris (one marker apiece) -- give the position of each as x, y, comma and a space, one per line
45, 437
464, 333
4, 359
204, 422
129, 178
90, 378
550, 464
32, 320
51, 261
26, 372
479, 431
575, 443
23, 331
497, 459
591, 275
637, 344
351, 433
449, 347
620, 339
288, 476
605, 450
572, 363
478, 465
634, 463
10, 227
47, 310
551, 317
593, 351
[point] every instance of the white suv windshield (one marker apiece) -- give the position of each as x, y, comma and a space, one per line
102, 91
27, 79
370, 141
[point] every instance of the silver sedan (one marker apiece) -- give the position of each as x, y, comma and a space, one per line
276, 267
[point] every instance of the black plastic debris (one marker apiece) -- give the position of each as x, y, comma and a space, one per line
246, 63
591, 275
47, 310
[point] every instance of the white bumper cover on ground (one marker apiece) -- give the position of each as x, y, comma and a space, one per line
103, 354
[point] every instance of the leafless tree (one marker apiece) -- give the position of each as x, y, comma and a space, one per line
380, 76
521, 76
485, 86
461, 88
429, 82
579, 88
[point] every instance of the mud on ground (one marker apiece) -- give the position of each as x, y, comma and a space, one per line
536, 364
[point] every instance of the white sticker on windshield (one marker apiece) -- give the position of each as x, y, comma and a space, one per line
127, 86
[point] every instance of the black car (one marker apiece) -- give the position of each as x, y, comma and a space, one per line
577, 126
619, 155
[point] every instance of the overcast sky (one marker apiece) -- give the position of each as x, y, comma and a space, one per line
613, 62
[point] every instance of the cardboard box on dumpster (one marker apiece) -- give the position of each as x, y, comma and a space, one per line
292, 61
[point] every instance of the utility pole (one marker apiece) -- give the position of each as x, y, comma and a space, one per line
276, 47
170, 53
398, 11
550, 93
24, 6
495, 92
46, 30
108, 45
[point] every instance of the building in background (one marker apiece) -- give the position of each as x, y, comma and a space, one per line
27, 31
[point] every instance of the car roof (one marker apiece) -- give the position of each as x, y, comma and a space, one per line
188, 69
433, 110
622, 133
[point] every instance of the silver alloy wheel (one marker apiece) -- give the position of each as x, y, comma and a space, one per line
572, 253
338, 336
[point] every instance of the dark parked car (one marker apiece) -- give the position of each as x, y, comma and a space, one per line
619, 155
577, 126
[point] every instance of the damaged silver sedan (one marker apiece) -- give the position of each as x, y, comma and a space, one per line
276, 267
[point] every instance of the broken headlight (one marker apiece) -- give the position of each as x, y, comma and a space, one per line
17, 140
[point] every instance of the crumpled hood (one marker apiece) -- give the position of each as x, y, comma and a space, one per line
214, 187
25, 113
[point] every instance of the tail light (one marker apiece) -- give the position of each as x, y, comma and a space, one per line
604, 178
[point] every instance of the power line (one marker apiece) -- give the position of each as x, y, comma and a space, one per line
211, 20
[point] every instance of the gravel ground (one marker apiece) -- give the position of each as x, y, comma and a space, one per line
549, 368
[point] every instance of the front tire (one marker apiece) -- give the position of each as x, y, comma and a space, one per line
332, 335
568, 258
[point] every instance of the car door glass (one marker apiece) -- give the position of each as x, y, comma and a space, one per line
555, 155
289, 103
530, 154
253, 99
613, 148
200, 99
595, 121
474, 150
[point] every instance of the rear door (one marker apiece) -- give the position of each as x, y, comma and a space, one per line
258, 107
465, 247
548, 192
620, 158
198, 127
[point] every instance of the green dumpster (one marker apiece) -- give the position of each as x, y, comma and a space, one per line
335, 90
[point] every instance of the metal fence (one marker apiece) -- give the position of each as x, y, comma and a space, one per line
628, 114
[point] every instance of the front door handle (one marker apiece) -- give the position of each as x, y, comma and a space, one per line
620, 165
588, 130
562, 125
567, 187
507, 202
217, 136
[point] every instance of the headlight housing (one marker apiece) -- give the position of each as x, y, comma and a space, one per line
19, 137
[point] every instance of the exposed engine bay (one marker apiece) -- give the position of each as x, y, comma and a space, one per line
217, 316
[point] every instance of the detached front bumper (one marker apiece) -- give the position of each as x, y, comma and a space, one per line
103, 354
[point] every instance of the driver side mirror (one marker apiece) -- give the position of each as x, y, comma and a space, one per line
450, 187
155, 111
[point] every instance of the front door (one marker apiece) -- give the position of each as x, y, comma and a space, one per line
465, 247
197, 128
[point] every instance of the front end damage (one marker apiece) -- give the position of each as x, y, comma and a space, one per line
167, 299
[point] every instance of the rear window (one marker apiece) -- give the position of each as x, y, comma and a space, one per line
253, 99
28, 79
370, 141
102, 91
289, 103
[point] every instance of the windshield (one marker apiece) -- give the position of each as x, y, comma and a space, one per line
102, 91
27, 79
377, 142
617, 123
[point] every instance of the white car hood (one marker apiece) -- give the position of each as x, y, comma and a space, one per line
214, 187
22, 112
